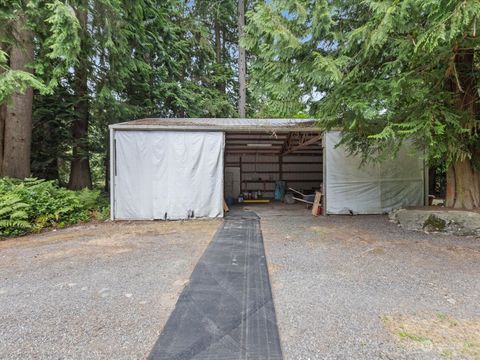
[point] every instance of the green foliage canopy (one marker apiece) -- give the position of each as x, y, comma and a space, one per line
143, 58
380, 70
56, 23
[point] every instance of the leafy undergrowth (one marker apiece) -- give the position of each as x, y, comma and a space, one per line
33, 204
451, 338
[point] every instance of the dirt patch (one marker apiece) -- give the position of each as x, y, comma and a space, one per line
102, 252
322, 231
180, 283
272, 267
105, 240
451, 337
109, 233
377, 250
348, 234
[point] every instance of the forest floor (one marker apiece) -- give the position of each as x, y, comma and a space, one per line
356, 287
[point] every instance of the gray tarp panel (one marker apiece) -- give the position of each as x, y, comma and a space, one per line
372, 188
168, 174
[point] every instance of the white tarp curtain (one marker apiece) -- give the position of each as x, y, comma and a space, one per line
168, 174
371, 188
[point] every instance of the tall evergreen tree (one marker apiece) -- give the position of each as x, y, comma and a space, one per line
145, 58
99, 62
242, 62
382, 71
80, 175
17, 121
19, 23
220, 21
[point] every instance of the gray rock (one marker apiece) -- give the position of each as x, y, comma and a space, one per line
456, 222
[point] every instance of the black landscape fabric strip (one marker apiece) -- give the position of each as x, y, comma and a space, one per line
226, 311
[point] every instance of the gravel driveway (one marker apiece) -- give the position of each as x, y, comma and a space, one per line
344, 288
359, 287
90, 292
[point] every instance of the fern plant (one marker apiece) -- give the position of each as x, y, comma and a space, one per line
13, 215
34, 204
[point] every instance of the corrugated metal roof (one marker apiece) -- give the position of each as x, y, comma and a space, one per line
225, 124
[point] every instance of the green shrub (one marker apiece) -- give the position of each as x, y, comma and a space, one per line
33, 204
13, 215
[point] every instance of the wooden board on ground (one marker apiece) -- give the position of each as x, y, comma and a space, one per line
317, 204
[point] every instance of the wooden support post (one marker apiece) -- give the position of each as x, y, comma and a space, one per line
280, 167
241, 175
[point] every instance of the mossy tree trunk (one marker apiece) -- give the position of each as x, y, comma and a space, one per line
463, 186
463, 176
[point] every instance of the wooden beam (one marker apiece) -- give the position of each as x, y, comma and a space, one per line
276, 163
241, 173
240, 152
287, 142
253, 133
256, 136
283, 172
318, 181
243, 146
303, 144
255, 141
251, 150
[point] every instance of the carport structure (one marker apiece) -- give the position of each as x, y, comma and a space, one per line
166, 168
255, 161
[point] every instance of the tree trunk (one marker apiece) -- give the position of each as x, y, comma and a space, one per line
218, 50
242, 66
3, 114
218, 41
80, 175
463, 186
106, 164
432, 181
17, 117
44, 135
463, 178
